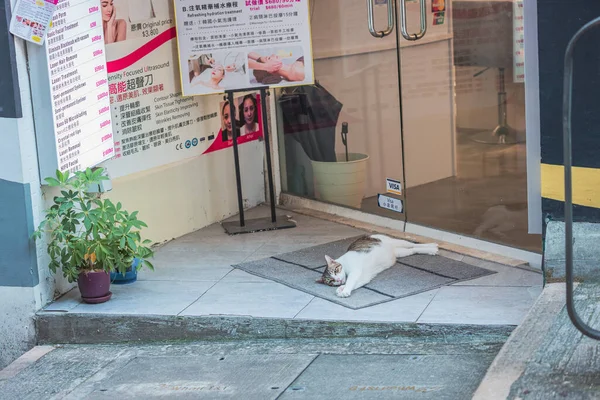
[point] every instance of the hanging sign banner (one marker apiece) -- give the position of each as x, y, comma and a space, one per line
233, 45
31, 19
153, 123
79, 86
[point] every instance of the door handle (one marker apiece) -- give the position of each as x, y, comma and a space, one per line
391, 19
404, 30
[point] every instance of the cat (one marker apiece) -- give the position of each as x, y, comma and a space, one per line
365, 258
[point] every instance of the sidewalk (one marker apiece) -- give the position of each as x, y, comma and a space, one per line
359, 368
194, 277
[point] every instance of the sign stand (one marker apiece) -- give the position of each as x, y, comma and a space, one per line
258, 224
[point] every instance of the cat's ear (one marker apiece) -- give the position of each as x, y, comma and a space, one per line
329, 260
320, 280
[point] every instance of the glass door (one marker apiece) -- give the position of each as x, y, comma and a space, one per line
463, 114
341, 139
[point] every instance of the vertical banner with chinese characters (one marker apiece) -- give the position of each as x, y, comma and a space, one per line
153, 124
79, 85
232, 45
518, 42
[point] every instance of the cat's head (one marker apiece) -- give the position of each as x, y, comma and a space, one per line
333, 274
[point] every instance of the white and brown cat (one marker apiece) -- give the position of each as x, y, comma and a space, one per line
366, 257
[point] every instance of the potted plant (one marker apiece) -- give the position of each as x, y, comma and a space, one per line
90, 237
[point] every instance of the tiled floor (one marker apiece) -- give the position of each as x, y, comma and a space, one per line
194, 276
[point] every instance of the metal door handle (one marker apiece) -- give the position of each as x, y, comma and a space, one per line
423, 12
391, 19
567, 155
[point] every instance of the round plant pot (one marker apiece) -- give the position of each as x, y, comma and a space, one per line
342, 182
130, 275
94, 286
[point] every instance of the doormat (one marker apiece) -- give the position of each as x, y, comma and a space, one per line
411, 275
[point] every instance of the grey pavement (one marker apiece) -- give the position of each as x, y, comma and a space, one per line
359, 368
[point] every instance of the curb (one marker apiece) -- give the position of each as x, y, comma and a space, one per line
75, 328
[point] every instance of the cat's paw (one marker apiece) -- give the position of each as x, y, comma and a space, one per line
433, 250
342, 292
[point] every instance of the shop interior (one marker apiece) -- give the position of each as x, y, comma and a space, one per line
443, 114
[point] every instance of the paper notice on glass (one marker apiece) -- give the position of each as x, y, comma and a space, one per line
518, 42
242, 44
31, 19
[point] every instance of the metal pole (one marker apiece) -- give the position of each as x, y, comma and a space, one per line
581, 325
265, 123
236, 157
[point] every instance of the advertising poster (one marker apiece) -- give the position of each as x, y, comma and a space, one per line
231, 45
79, 86
153, 123
31, 19
518, 42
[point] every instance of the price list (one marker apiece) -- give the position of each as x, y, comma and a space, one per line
79, 85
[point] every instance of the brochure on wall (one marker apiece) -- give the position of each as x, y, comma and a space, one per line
518, 42
153, 124
31, 19
235, 45
79, 85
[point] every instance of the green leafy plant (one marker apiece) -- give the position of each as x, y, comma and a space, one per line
88, 233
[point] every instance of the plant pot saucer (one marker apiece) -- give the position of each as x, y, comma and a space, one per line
97, 300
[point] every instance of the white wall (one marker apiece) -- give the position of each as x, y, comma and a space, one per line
180, 198
18, 163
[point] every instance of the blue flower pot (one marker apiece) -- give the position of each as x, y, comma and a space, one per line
129, 277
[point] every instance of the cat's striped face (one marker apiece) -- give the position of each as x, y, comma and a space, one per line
332, 275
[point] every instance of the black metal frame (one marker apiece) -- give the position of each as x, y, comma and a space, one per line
260, 224
568, 159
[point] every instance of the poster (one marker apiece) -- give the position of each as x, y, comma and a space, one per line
31, 19
153, 123
518, 42
79, 86
232, 45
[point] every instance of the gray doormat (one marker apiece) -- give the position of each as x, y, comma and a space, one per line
410, 275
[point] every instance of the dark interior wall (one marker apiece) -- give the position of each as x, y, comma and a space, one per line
558, 21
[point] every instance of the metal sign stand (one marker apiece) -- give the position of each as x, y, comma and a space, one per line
258, 224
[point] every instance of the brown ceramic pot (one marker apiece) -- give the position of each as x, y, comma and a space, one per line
94, 286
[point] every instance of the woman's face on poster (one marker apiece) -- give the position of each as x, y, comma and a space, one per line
227, 118
218, 73
249, 111
107, 10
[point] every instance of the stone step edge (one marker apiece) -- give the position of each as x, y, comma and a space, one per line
510, 363
73, 328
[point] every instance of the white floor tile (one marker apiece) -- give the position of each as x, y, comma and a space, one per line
148, 297
186, 273
407, 309
65, 303
237, 275
268, 299
480, 305
505, 276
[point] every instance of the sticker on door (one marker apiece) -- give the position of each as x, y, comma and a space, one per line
393, 186
390, 203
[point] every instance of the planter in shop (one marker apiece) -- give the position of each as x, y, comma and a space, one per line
341, 182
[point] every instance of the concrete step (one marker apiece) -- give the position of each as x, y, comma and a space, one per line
546, 357
80, 328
